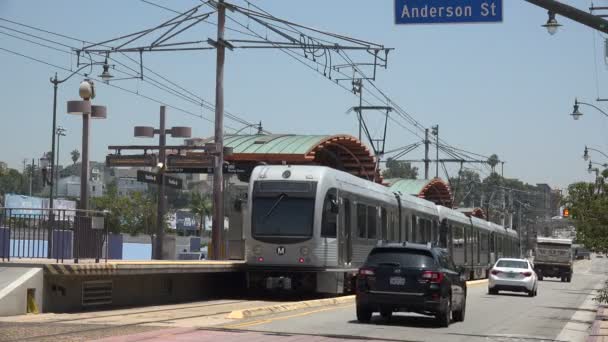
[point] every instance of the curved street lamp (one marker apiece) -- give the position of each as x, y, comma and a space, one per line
576, 113
552, 25
586, 153
591, 168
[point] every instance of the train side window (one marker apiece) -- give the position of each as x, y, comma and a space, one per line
329, 220
384, 224
361, 220
372, 213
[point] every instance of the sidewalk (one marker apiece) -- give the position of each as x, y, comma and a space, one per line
599, 329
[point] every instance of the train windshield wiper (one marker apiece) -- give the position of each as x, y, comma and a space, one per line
274, 206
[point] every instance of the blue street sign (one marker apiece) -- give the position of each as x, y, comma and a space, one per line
447, 11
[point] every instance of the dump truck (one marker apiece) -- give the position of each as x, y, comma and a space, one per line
553, 258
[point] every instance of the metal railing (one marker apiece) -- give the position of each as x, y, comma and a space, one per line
59, 234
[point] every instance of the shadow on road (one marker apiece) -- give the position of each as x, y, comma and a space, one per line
403, 320
568, 308
507, 294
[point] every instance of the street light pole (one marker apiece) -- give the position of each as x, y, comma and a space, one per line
84, 167
160, 232
218, 172
55, 181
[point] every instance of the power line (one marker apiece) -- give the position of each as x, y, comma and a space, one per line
111, 85
205, 104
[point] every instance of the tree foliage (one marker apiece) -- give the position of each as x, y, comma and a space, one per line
202, 206
399, 169
134, 214
75, 156
11, 181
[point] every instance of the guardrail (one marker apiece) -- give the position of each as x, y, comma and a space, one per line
59, 234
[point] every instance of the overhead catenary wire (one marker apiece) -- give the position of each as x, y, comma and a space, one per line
110, 85
204, 104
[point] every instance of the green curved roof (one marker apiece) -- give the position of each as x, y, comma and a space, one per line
407, 186
273, 144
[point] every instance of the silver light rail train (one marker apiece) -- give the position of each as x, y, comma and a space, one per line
309, 228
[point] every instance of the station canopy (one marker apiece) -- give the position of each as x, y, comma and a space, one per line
435, 190
342, 152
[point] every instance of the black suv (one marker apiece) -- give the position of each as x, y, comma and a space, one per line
411, 278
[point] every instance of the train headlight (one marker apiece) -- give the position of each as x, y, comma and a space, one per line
304, 251
257, 250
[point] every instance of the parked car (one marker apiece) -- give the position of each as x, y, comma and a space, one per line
411, 278
515, 275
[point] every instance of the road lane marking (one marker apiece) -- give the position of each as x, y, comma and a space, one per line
269, 320
477, 282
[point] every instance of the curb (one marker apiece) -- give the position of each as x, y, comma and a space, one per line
268, 310
595, 328
477, 282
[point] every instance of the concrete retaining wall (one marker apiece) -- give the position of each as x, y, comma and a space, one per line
64, 293
14, 285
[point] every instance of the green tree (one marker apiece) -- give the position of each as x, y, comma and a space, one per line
134, 214
11, 181
399, 169
75, 156
493, 161
202, 206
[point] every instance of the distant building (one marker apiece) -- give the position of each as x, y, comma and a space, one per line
70, 187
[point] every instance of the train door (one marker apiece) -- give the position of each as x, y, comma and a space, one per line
345, 255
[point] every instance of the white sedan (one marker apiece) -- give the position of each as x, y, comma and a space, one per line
515, 275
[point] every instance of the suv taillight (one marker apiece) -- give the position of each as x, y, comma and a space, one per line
527, 274
364, 272
494, 272
432, 277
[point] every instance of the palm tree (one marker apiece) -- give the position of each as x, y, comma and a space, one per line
202, 206
75, 156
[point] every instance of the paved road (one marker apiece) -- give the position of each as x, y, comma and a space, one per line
555, 314
562, 311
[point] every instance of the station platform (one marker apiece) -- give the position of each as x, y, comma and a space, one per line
88, 267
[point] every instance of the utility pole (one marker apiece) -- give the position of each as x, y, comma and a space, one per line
436, 134
162, 159
426, 153
218, 172
55, 181
358, 89
32, 176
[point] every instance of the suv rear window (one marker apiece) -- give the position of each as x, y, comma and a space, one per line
512, 264
402, 256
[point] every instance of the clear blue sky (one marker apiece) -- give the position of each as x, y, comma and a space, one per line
502, 88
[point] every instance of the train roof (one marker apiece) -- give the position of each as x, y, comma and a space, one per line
452, 215
418, 203
541, 239
317, 173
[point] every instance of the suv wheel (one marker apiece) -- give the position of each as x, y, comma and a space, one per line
445, 316
364, 314
492, 291
459, 314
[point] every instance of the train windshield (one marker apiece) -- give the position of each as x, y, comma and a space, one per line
283, 209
